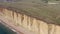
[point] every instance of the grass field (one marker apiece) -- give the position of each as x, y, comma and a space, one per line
48, 13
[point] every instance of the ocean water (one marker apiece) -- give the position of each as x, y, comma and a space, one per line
5, 30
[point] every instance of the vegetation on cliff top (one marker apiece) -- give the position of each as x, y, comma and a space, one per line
49, 13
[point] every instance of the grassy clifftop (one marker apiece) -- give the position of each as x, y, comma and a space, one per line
46, 12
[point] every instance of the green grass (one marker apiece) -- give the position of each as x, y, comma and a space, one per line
50, 13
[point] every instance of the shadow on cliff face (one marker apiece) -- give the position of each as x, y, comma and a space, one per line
5, 30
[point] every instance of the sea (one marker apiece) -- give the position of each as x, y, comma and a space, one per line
5, 30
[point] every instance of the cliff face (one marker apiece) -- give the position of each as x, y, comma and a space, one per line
30, 23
